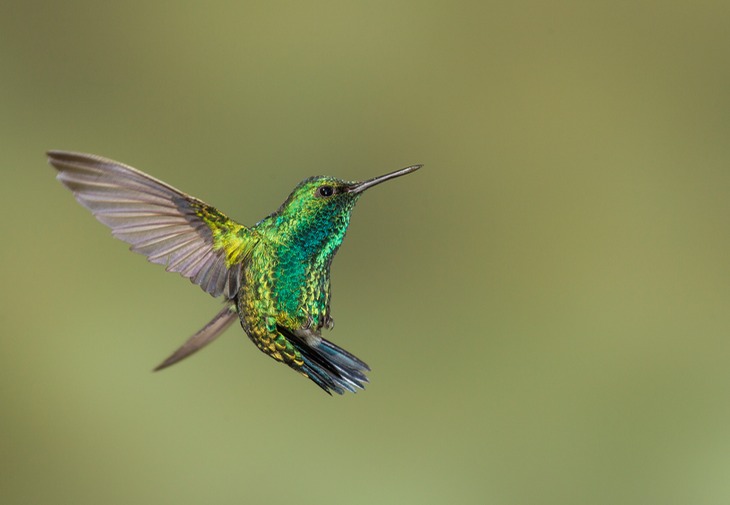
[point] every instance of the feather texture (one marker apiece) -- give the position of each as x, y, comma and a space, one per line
159, 221
329, 366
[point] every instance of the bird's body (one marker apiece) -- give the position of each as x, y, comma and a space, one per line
274, 276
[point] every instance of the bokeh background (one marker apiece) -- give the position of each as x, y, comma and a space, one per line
544, 305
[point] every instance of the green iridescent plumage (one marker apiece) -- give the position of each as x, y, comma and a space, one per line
274, 276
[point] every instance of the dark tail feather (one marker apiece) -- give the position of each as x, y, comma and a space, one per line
333, 368
329, 366
205, 336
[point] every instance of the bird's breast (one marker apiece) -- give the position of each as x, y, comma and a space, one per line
291, 289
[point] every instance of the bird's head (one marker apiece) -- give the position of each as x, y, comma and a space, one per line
316, 214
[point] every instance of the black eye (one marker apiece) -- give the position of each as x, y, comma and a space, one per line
325, 191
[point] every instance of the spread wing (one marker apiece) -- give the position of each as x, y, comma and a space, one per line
166, 225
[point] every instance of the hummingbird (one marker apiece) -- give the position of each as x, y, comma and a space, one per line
274, 276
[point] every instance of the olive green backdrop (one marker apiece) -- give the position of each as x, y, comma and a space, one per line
545, 306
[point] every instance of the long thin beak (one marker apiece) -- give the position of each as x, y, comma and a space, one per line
359, 187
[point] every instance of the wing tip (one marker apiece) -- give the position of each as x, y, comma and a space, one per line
58, 155
207, 334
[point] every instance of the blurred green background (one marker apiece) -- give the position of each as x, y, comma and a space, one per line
544, 305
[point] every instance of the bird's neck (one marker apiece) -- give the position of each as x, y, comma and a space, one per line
309, 241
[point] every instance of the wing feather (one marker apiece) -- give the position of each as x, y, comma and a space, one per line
168, 226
